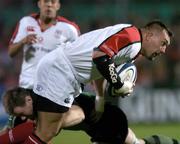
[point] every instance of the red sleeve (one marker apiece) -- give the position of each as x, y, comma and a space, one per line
18, 134
14, 34
119, 40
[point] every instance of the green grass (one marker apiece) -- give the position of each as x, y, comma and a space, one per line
168, 129
72, 137
141, 130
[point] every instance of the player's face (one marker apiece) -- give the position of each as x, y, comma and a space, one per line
49, 8
155, 44
26, 109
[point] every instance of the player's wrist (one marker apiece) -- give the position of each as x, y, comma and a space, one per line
127, 88
99, 98
118, 85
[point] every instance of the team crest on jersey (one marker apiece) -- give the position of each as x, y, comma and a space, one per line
40, 39
58, 33
39, 87
30, 29
67, 100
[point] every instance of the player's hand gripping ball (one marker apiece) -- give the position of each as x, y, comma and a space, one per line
128, 74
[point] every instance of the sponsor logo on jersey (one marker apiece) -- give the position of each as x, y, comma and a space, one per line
30, 29
40, 39
112, 73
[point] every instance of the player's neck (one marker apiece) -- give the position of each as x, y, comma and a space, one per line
45, 23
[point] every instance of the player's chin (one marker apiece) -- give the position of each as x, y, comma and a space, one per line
50, 15
153, 56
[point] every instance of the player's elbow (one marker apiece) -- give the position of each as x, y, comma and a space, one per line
11, 52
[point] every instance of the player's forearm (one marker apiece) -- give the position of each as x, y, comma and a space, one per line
99, 89
14, 49
106, 67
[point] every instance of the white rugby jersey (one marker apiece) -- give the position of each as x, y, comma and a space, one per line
121, 41
62, 32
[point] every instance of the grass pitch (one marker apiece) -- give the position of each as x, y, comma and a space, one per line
141, 130
167, 129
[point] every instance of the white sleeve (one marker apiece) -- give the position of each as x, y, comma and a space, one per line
74, 33
20, 32
130, 52
134, 50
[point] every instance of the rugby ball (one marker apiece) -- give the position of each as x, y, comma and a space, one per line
127, 72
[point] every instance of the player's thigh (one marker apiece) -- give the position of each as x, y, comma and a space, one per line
48, 125
50, 115
48, 119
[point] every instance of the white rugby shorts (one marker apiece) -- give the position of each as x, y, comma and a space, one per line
55, 79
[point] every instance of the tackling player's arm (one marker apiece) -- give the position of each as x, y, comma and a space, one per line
99, 90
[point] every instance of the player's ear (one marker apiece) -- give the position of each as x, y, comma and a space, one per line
149, 35
28, 98
39, 3
58, 5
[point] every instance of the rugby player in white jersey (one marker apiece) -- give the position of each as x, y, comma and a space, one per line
39, 34
92, 56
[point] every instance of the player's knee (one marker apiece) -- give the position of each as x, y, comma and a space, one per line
80, 115
54, 132
50, 126
74, 116
48, 135
78, 112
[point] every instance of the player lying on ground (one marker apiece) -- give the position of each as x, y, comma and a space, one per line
107, 130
